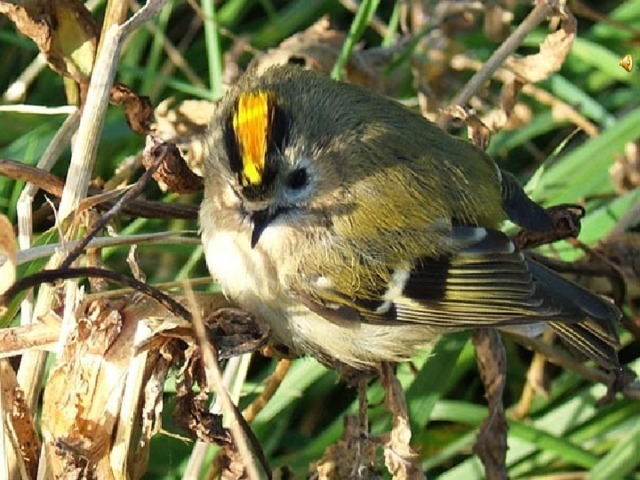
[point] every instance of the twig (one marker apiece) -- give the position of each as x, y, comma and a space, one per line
156, 151
535, 381
43, 180
50, 276
273, 382
240, 430
462, 62
168, 237
629, 390
537, 15
491, 442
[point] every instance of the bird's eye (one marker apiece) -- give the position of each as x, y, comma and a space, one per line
298, 178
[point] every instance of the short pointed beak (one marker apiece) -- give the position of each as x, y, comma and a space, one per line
261, 220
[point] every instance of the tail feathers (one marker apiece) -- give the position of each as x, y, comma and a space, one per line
588, 323
594, 346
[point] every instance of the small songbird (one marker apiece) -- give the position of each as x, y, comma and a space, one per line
360, 232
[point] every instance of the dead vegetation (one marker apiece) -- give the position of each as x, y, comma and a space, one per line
94, 411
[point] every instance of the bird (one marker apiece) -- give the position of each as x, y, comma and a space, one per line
360, 232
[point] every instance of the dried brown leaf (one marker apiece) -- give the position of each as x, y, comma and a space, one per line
173, 173
400, 458
63, 30
497, 21
553, 51
623, 250
8, 261
138, 110
185, 125
318, 48
229, 465
625, 172
192, 415
351, 457
82, 399
19, 423
497, 119
477, 130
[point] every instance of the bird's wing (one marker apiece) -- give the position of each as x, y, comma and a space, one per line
485, 283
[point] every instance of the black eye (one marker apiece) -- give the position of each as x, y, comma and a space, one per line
297, 179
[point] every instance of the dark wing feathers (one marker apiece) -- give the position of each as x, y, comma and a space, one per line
489, 283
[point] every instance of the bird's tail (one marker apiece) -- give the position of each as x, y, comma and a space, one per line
591, 321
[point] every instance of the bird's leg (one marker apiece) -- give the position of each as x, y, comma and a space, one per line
362, 463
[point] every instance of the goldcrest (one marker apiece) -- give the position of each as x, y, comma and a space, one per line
360, 232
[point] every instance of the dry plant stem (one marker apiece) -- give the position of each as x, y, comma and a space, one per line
18, 89
535, 381
400, 459
173, 238
39, 109
273, 382
51, 155
553, 355
462, 62
214, 379
31, 367
126, 429
17, 340
54, 186
46, 276
104, 219
542, 9
9, 465
115, 14
173, 53
37, 178
24, 205
233, 372
82, 162
20, 443
363, 426
491, 442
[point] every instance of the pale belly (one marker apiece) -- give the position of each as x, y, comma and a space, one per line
249, 278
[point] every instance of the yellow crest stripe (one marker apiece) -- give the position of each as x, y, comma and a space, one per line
251, 123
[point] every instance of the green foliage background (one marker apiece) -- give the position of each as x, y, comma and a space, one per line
565, 432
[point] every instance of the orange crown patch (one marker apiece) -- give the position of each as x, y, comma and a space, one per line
251, 124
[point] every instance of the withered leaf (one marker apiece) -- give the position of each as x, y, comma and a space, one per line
318, 47
400, 458
137, 108
625, 171
173, 173
19, 423
553, 51
63, 30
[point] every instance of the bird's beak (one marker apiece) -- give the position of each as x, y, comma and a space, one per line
260, 219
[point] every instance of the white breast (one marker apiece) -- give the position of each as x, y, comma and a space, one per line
257, 284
